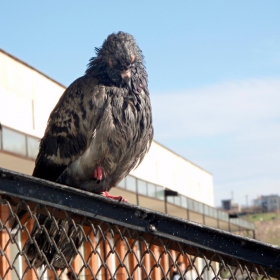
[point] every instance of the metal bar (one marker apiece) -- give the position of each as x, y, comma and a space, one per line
137, 194
149, 222
203, 214
26, 146
165, 204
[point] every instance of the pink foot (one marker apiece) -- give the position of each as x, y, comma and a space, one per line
119, 198
98, 174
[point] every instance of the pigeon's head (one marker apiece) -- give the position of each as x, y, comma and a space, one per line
118, 61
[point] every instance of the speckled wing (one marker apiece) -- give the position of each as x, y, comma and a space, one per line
70, 127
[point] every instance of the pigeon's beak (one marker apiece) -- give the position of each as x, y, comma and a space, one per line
126, 76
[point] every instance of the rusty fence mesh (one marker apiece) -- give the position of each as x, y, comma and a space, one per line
111, 240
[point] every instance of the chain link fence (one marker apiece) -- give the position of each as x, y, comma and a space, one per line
50, 231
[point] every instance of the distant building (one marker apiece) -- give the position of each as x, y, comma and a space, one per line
230, 207
268, 203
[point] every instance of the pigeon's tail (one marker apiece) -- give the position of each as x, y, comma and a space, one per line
58, 240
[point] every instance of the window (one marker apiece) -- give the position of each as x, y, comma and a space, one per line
184, 201
207, 210
151, 190
223, 216
131, 183
32, 147
200, 207
170, 199
142, 187
121, 184
177, 200
160, 192
195, 206
215, 213
190, 204
14, 142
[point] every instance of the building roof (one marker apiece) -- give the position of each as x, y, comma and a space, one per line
31, 67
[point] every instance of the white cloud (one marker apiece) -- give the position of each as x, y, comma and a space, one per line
236, 126
216, 109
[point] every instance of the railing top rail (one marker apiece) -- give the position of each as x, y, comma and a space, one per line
151, 224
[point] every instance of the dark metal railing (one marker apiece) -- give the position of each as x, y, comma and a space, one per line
116, 240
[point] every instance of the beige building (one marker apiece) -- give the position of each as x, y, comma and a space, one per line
27, 97
268, 203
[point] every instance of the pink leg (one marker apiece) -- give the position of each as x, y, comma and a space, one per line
119, 198
98, 174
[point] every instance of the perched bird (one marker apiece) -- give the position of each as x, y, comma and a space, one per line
100, 130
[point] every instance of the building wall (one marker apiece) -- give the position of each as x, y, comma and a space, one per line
27, 98
15, 163
163, 167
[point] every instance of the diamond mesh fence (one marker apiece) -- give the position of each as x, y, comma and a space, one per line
50, 239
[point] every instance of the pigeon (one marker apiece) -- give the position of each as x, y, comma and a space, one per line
100, 129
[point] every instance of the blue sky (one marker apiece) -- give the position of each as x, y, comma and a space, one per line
214, 74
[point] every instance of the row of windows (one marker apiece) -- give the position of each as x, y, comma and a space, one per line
144, 188
25, 145
141, 187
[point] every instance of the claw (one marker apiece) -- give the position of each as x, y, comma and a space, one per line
119, 198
